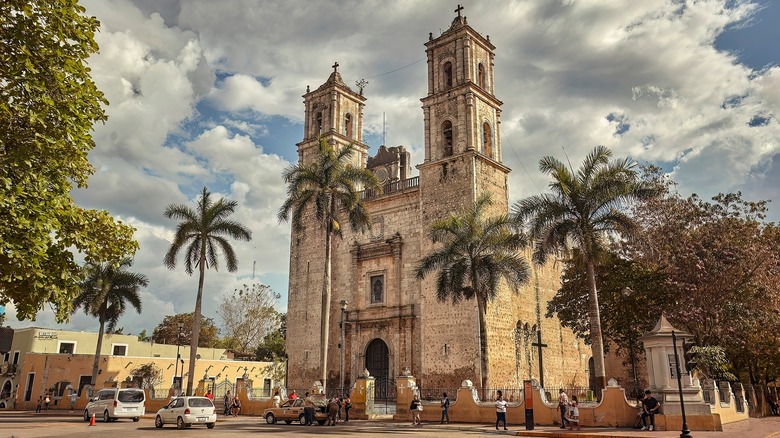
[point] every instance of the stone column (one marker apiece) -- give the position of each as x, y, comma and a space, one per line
406, 388
362, 397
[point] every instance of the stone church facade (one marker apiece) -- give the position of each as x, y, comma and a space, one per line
385, 319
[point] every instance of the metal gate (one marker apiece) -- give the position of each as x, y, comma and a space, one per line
384, 395
220, 390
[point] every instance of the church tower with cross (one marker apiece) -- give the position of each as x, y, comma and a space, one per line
383, 319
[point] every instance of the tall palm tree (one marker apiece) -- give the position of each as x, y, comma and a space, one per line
476, 253
331, 186
105, 293
203, 232
584, 208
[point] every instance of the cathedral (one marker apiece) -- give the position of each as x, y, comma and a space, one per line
382, 318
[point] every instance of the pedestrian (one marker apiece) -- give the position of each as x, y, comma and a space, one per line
333, 411
46, 402
277, 399
415, 408
500, 409
574, 413
347, 407
650, 406
40, 404
293, 395
210, 396
227, 402
236, 406
308, 409
16, 395
73, 396
445, 409
563, 406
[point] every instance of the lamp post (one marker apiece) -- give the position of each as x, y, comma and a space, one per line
177, 384
341, 347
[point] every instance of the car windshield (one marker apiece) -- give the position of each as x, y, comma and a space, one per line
201, 403
131, 396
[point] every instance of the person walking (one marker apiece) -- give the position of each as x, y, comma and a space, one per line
308, 409
236, 406
415, 408
277, 400
40, 404
72, 397
500, 410
46, 402
651, 407
347, 407
563, 406
210, 395
227, 400
333, 411
574, 413
445, 409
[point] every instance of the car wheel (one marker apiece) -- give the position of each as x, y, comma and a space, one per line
288, 421
270, 419
106, 418
135, 419
302, 419
86, 415
180, 423
210, 425
158, 422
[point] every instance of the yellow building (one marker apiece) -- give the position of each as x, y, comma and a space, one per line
59, 362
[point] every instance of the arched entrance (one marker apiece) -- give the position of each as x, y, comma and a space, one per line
378, 365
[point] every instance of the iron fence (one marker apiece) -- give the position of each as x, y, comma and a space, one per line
585, 395
436, 394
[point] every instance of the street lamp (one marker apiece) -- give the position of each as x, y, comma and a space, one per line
341, 347
176, 383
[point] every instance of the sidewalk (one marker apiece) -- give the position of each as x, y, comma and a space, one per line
753, 428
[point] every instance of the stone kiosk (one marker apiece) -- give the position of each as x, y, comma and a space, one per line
662, 378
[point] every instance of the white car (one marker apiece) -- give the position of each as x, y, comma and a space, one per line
112, 404
186, 411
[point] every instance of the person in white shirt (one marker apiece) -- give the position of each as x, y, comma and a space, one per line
563, 406
277, 399
500, 410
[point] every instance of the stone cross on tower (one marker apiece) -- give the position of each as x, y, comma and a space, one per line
335, 67
458, 9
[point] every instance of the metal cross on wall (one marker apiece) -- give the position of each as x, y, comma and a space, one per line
538, 344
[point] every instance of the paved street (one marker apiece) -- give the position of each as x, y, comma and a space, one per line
60, 424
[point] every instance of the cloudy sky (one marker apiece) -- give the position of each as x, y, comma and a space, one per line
206, 93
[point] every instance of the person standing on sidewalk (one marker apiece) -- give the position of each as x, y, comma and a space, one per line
500, 410
445, 409
308, 409
563, 405
415, 408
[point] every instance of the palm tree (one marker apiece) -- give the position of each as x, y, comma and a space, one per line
105, 293
584, 208
331, 186
476, 253
203, 232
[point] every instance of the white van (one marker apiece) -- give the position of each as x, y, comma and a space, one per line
111, 404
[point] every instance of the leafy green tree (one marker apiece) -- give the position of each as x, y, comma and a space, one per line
248, 314
167, 331
48, 105
476, 253
144, 336
272, 347
202, 232
105, 293
584, 208
331, 187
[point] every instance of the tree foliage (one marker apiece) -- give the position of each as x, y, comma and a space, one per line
330, 186
585, 208
204, 233
48, 104
476, 252
147, 375
167, 331
248, 314
273, 346
105, 294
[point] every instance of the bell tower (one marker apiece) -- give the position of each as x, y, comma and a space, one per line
334, 112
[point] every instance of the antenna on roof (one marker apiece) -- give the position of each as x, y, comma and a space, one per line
567, 159
384, 129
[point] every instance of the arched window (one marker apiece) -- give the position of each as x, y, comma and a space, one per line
487, 140
447, 131
481, 75
447, 74
318, 123
348, 125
